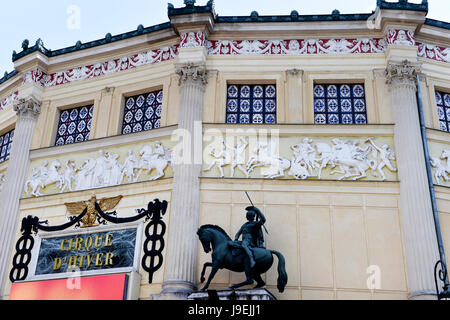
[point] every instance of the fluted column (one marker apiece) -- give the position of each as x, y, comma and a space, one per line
415, 204
27, 111
182, 252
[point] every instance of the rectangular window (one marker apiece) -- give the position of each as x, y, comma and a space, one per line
142, 112
339, 104
5, 145
74, 125
443, 105
252, 104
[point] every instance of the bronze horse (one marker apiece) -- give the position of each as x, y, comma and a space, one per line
227, 254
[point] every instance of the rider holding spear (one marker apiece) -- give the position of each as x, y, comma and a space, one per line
251, 231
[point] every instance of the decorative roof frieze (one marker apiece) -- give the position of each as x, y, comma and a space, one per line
100, 69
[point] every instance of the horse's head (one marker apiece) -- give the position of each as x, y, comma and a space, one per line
205, 239
211, 235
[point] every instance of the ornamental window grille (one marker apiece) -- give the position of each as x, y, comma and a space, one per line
5, 145
443, 106
74, 125
251, 104
340, 104
142, 112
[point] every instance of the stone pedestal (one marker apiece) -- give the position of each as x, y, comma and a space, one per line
232, 295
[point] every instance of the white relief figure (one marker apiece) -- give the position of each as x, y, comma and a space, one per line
239, 157
275, 166
154, 159
116, 170
130, 166
442, 169
85, 175
43, 176
68, 176
2, 180
386, 155
221, 159
304, 162
100, 174
352, 160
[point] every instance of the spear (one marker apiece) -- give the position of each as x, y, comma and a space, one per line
253, 206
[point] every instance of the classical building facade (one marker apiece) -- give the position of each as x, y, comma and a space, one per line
336, 125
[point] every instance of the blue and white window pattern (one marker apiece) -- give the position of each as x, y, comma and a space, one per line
74, 125
339, 104
443, 105
142, 112
251, 104
5, 145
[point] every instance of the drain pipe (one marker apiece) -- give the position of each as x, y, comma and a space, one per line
443, 275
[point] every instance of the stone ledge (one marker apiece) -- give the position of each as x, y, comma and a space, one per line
252, 294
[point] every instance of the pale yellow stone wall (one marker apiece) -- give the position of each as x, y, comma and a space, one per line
329, 233
443, 207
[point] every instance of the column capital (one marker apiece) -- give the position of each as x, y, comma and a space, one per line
402, 74
27, 107
295, 72
192, 74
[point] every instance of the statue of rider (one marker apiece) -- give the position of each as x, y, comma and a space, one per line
251, 231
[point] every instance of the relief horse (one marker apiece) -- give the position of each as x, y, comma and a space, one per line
227, 254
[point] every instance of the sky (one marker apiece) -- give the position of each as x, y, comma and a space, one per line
62, 23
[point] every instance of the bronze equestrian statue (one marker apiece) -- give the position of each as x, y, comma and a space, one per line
247, 256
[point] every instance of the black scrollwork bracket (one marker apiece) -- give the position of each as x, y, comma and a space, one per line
154, 212
440, 272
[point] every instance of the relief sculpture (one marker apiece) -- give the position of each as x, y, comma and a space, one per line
441, 168
352, 159
103, 171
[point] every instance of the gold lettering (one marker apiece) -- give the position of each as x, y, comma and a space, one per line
80, 264
62, 245
90, 259
79, 244
70, 244
109, 259
109, 240
98, 260
97, 244
88, 243
57, 264
72, 261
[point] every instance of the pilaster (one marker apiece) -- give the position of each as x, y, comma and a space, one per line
28, 110
294, 96
180, 277
415, 201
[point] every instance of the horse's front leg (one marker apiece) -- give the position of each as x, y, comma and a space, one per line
202, 276
211, 276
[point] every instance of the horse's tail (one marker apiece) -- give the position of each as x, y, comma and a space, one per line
282, 275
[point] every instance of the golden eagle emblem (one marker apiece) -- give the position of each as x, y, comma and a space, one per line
89, 219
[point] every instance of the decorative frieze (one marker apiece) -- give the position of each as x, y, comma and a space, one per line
105, 170
334, 158
192, 39
296, 46
434, 52
400, 37
8, 100
100, 69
